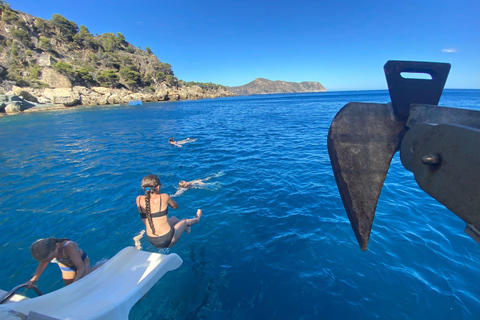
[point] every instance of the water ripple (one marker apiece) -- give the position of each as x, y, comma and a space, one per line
274, 243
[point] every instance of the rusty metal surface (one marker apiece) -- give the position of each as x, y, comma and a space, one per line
405, 91
441, 147
410, 142
429, 114
362, 140
455, 179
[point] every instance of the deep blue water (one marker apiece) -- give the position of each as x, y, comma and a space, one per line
274, 242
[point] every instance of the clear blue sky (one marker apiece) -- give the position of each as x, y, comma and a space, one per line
342, 44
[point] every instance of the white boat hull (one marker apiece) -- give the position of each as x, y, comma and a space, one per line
108, 292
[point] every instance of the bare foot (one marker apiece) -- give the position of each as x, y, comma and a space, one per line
199, 215
191, 222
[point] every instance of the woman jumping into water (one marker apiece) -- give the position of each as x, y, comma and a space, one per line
162, 231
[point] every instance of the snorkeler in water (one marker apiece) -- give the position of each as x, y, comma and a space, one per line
185, 185
179, 143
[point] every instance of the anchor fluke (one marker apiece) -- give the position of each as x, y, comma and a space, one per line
438, 144
362, 140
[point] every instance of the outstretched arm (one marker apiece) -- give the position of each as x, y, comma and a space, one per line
179, 192
41, 266
138, 204
172, 203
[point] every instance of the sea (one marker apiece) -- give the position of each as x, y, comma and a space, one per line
274, 241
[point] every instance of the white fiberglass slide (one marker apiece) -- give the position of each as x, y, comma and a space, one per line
108, 292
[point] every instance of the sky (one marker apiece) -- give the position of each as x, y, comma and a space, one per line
341, 44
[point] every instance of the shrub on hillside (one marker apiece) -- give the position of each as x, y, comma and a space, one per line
42, 25
9, 16
130, 76
20, 34
84, 75
45, 44
67, 28
64, 68
111, 42
35, 72
108, 78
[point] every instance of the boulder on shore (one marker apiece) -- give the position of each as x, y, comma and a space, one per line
34, 99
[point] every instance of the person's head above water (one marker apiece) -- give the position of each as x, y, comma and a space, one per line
44, 249
150, 183
171, 140
183, 184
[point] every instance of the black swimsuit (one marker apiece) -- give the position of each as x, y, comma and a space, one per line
164, 240
154, 215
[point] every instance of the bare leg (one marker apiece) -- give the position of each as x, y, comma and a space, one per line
182, 225
69, 276
172, 221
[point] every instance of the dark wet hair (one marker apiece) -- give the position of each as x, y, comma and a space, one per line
171, 140
149, 183
43, 248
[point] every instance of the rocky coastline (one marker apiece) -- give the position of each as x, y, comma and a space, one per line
19, 100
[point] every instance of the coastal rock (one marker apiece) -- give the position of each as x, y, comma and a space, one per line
27, 96
67, 97
21, 92
13, 107
59, 98
114, 99
6, 85
54, 79
102, 90
161, 92
45, 60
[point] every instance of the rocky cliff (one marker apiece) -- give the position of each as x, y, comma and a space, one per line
45, 99
57, 62
265, 86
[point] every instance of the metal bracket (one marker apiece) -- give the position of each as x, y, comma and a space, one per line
405, 91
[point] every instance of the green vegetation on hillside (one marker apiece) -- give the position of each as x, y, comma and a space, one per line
29, 44
203, 85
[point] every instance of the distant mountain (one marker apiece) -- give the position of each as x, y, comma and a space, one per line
265, 86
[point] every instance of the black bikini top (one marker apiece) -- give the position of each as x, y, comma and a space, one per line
163, 213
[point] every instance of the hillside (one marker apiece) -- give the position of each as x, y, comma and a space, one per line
265, 86
37, 54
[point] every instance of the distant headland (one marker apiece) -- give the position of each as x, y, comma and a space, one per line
265, 86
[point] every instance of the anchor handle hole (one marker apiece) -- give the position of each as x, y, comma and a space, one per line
416, 75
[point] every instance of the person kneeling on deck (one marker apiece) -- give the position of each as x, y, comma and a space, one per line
162, 231
73, 261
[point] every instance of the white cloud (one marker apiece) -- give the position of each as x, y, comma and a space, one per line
449, 50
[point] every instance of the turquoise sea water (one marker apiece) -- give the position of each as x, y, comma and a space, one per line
274, 241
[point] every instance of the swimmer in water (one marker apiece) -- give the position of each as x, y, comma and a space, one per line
179, 143
185, 185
